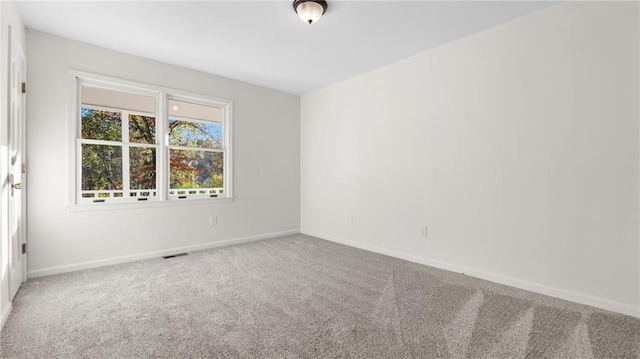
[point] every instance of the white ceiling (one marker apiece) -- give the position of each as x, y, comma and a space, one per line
264, 42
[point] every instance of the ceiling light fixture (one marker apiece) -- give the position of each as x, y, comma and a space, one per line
310, 11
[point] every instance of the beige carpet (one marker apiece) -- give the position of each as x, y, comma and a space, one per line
299, 297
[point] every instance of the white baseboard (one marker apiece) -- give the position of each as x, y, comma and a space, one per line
135, 257
5, 315
496, 278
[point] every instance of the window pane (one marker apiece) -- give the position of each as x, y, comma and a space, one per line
101, 167
195, 169
142, 168
101, 125
142, 129
195, 134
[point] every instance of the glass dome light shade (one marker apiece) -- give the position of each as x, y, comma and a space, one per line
310, 11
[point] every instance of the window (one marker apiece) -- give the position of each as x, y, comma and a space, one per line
137, 143
196, 150
117, 145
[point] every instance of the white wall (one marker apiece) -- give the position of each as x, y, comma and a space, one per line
518, 146
9, 18
266, 160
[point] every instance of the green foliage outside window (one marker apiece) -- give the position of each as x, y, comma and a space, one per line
101, 167
101, 164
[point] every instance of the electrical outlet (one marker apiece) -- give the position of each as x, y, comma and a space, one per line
423, 231
213, 221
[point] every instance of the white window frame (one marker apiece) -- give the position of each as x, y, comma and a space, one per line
162, 95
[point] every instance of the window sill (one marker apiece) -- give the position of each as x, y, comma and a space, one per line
138, 205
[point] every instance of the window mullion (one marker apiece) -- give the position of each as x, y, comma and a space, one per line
162, 136
126, 180
204, 149
85, 141
79, 170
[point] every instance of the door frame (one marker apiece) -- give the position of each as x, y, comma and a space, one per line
16, 49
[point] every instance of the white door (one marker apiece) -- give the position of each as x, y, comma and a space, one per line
17, 212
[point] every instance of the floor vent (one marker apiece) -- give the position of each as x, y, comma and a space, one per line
176, 255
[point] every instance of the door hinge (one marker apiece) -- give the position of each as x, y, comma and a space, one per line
24, 168
24, 87
24, 248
